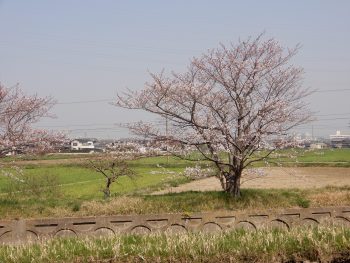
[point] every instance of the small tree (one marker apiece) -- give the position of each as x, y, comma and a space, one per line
112, 168
231, 103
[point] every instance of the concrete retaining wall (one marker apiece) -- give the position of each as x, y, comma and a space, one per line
13, 231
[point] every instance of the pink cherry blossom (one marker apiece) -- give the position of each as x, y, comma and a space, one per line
18, 113
232, 104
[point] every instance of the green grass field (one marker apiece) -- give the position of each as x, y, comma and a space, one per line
77, 189
80, 181
326, 157
76, 183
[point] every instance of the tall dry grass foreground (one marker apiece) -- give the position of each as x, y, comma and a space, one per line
324, 244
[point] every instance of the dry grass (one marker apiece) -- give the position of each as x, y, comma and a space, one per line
210, 201
330, 198
122, 204
324, 244
252, 199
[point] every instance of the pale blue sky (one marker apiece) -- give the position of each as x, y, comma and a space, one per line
86, 50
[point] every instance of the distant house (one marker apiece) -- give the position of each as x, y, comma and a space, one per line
340, 140
83, 144
318, 145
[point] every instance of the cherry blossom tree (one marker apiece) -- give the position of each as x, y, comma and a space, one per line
18, 113
235, 105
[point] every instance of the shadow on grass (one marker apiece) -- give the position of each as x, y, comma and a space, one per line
194, 201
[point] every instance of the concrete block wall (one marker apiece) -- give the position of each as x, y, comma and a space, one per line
24, 230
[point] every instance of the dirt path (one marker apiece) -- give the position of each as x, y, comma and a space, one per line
301, 177
46, 162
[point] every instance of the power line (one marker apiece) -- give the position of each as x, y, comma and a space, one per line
96, 129
78, 49
75, 125
332, 114
320, 128
333, 119
111, 100
331, 90
84, 101
163, 122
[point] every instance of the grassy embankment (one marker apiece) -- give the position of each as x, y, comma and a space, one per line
188, 202
323, 244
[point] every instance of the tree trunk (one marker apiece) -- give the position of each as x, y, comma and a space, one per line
107, 191
233, 184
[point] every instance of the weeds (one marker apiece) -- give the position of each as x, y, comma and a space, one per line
32, 186
189, 202
322, 244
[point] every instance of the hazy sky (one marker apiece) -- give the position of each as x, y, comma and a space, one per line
83, 52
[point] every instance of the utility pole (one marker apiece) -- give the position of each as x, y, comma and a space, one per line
166, 134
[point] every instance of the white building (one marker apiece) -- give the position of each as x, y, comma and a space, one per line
340, 140
318, 145
83, 144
